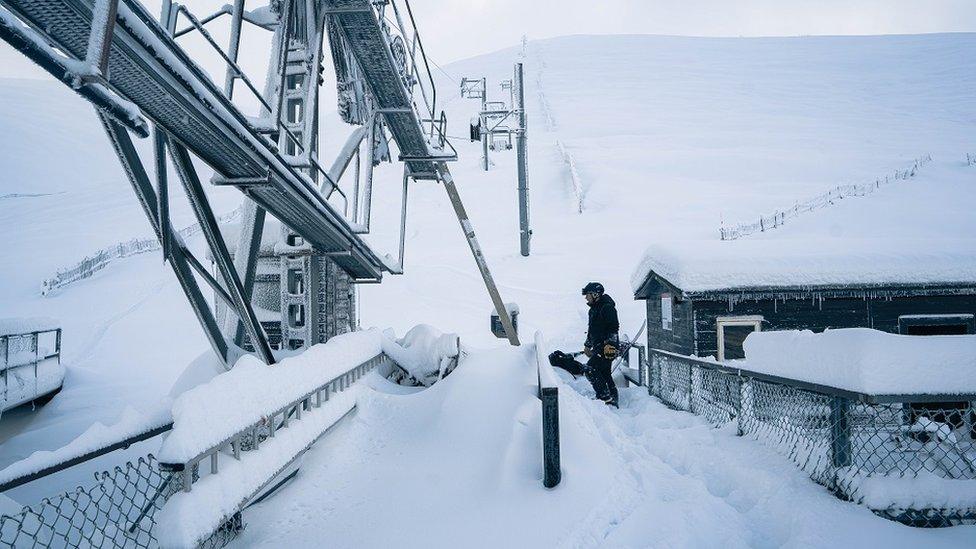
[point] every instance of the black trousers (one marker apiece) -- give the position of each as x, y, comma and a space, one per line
599, 374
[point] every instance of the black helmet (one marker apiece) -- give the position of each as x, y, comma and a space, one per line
593, 288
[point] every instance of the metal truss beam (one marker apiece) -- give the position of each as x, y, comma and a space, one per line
211, 230
246, 256
147, 198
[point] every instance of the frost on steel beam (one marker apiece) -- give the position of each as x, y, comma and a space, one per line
69, 71
147, 198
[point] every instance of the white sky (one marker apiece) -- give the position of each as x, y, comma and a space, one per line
456, 29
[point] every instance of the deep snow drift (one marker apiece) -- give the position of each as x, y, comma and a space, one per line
460, 464
866, 360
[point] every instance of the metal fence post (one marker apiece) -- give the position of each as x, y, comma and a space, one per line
691, 386
550, 436
840, 432
740, 405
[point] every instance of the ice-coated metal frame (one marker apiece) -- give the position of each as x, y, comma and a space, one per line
145, 66
180, 259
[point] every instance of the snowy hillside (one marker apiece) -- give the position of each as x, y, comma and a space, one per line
663, 139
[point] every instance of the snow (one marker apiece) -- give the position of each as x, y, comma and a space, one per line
12, 326
462, 460
425, 353
189, 518
209, 414
867, 361
128, 331
809, 263
667, 138
924, 491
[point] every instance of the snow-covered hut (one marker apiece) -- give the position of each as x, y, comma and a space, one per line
704, 298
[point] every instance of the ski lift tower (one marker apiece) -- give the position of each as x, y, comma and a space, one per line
492, 121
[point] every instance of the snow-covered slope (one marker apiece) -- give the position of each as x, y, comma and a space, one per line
663, 139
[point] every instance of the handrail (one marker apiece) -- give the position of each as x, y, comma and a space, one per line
270, 422
35, 342
548, 393
430, 103
854, 396
264, 472
88, 456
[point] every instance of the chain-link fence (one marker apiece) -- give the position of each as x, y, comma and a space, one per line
118, 510
911, 458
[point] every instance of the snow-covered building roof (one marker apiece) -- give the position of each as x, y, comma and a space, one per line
740, 265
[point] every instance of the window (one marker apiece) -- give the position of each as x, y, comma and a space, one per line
732, 332
667, 313
950, 324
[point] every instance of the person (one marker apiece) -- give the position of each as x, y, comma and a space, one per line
601, 346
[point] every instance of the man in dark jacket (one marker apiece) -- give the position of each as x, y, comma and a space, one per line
601, 344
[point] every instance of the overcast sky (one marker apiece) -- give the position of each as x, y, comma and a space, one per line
456, 29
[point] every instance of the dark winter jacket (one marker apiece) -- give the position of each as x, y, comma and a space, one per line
603, 325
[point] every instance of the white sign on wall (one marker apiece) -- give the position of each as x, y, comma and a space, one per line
666, 313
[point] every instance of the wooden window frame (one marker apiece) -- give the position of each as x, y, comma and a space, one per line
723, 321
669, 327
947, 319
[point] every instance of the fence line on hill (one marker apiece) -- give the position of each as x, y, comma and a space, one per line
102, 258
778, 218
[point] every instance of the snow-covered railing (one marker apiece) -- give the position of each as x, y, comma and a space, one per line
779, 217
263, 418
30, 351
101, 259
907, 457
97, 441
548, 393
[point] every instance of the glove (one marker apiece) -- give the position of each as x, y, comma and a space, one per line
556, 357
609, 352
587, 351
